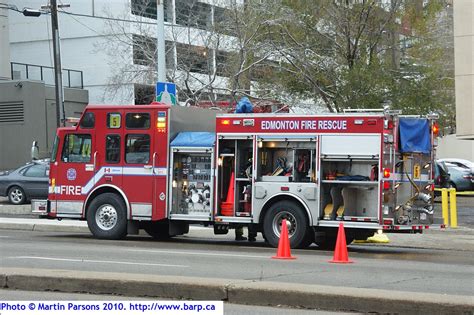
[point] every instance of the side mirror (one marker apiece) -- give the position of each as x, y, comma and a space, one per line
34, 150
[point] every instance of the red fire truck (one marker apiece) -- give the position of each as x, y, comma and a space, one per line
162, 168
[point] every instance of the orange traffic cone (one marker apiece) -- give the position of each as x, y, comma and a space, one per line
227, 207
230, 192
340, 252
284, 251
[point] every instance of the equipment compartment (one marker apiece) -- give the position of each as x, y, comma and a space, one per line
235, 177
191, 186
349, 187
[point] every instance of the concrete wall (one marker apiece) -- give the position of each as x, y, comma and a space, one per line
39, 122
452, 147
464, 67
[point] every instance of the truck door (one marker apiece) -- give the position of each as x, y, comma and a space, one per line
74, 174
160, 164
138, 170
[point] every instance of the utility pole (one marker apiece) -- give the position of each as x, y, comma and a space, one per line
58, 77
160, 41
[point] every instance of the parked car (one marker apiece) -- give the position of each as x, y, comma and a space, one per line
442, 177
460, 163
26, 182
460, 178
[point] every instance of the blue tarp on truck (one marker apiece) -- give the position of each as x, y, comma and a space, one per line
194, 139
415, 135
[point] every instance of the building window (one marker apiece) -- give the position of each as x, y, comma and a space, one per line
223, 59
147, 8
144, 94
144, 51
193, 58
137, 150
223, 21
193, 13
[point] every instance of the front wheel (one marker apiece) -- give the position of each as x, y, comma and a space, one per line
107, 217
299, 231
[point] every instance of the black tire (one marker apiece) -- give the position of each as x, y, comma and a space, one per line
107, 217
330, 239
157, 230
16, 195
299, 231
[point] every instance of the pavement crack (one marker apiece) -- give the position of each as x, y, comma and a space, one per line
400, 281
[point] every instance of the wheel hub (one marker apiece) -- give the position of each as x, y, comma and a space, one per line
16, 195
106, 217
290, 223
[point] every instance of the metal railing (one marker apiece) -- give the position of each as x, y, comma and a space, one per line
23, 71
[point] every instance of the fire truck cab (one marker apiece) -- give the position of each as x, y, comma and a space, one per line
161, 168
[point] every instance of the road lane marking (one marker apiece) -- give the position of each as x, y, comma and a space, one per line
195, 253
1, 236
97, 261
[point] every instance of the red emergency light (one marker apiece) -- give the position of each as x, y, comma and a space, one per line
435, 129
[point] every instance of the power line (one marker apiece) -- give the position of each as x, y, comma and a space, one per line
117, 19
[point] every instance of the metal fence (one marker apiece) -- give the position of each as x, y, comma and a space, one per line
22, 71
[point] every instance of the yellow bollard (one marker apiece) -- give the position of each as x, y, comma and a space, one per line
444, 205
453, 208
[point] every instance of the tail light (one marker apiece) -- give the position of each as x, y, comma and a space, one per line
386, 172
386, 185
435, 129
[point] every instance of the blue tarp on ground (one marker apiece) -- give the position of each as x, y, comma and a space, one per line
415, 135
194, 139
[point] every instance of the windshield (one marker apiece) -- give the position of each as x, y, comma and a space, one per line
55, 149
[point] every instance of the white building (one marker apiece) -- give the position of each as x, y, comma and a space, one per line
94, 43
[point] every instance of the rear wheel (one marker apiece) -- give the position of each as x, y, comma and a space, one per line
107, 217
16, 195
299, 231
157, 230
330, 239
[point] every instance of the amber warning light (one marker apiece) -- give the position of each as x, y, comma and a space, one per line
386, 172
225, 122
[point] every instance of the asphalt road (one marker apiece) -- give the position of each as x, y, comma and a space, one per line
229, 309
444, 271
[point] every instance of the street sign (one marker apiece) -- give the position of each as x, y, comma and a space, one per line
166, 93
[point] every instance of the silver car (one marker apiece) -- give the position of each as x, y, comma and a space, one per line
26, 182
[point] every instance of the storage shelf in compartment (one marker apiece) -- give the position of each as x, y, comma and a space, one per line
353, 182
349, 157
241, 179
347, 160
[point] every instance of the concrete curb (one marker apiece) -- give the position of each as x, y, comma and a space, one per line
236, 291
43, 227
